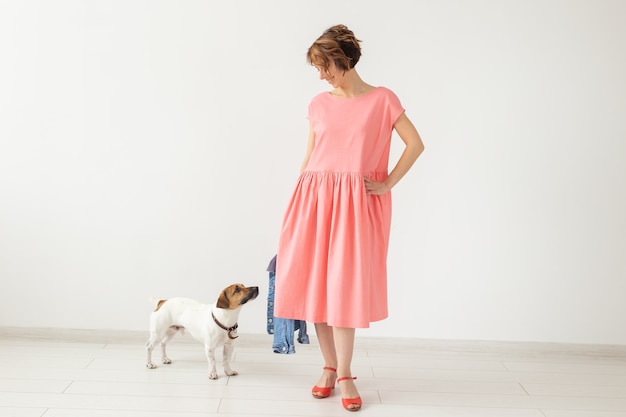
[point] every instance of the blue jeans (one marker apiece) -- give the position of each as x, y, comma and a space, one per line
283, 329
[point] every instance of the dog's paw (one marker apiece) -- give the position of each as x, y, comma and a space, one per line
167, 361
213, 375
230, 372
150, 365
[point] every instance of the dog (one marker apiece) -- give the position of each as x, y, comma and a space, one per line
212, 325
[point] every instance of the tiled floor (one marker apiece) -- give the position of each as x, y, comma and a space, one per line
103, 374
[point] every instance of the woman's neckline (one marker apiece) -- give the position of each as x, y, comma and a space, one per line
330, 93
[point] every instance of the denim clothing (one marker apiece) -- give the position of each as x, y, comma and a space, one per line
282, 329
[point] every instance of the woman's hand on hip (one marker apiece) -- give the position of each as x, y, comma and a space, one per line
376, 188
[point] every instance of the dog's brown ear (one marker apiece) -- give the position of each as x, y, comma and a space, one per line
222, 301
159, 304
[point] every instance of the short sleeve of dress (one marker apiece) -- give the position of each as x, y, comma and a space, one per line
312, 113
395, 108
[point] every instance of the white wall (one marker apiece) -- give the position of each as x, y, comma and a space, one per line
149, 147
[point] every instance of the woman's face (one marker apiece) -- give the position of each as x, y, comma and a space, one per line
333, 75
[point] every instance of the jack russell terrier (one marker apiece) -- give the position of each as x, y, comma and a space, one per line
210, 324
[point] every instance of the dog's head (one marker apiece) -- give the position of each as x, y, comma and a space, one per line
236, 295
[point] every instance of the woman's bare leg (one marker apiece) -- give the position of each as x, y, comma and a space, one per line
326, 340
344, 348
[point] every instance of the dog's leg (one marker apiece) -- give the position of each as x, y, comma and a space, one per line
155, 335
168, 336
210, 355
228, 353
149, 346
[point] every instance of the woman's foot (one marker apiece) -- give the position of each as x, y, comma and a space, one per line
350, 397
325, 384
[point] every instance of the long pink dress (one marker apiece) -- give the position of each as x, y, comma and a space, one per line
332, 252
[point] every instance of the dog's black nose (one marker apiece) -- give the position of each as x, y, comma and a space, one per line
252, 293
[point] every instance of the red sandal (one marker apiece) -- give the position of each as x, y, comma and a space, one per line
347, 402
323, 392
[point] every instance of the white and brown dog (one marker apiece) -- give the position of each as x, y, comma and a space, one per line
212, 325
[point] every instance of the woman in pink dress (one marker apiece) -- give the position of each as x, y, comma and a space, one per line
332, 251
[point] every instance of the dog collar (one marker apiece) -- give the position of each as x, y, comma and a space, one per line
230, 330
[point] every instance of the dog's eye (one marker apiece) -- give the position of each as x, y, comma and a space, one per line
237, 289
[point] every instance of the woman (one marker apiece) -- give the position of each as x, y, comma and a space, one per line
332, 250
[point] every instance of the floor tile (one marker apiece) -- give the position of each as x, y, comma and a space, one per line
33, 385
65, 412
575, 413
602, 368
576, 390
109, 402
582, 403
21, 411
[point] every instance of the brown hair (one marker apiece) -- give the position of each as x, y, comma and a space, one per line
337, 44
